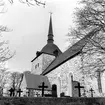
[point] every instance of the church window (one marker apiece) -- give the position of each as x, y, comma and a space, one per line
37, 65
55, 53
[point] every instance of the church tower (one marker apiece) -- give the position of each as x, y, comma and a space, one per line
48, 53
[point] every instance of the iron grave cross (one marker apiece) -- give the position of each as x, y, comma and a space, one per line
91, 90
79, 89
43, 87
19, 91
12, 92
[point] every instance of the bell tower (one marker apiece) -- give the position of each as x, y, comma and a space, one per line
48, 53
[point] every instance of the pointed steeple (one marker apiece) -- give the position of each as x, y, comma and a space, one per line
50, 32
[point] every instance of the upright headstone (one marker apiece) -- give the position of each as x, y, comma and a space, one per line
70, 81
54, 90
62, 94
74, 90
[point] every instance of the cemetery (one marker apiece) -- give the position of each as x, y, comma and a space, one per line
72, 77
36, 87
45, 84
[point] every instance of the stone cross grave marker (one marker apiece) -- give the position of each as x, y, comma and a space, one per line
43, 87
91, 90
79, 89
19, 91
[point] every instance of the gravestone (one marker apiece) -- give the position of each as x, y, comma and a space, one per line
12, 92
43, 87
62, 94
37, 94
19, 92
76, 89
54, 90
79, 88
91, 90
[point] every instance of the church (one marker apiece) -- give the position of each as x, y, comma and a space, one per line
53, 66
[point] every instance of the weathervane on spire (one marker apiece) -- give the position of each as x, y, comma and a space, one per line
50, 13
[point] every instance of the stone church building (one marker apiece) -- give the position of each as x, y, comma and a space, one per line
56, 67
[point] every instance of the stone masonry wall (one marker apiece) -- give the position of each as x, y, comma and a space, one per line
73, 66
47, 59
37, 65
59, 73
51, 101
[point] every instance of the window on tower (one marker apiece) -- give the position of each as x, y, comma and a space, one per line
37, 65
55, 53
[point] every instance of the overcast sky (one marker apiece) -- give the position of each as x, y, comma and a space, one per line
30, 29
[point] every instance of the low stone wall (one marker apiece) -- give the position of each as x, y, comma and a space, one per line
51, 101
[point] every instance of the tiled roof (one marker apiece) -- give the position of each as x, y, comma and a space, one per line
33, 81
70, 53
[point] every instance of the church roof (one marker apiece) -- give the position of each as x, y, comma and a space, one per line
50, 47
33, 81
70, 53
50, 32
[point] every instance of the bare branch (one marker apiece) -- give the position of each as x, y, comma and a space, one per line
87, 18
30, 2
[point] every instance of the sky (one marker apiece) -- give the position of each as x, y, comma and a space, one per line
29, 25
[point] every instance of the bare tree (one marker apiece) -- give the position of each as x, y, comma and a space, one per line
16, 79
28, 2
87, 18
5, 55
4, 79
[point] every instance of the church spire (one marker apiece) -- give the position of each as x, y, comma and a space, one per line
50, 33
